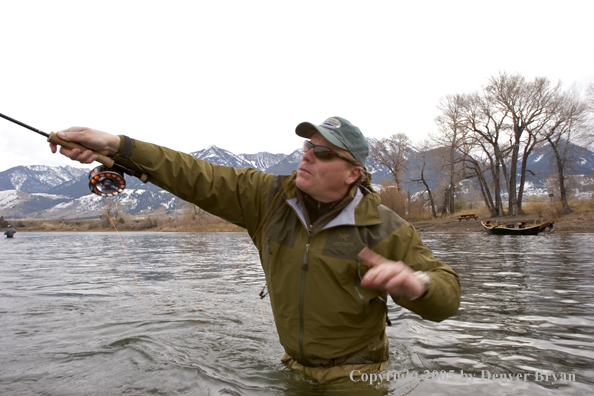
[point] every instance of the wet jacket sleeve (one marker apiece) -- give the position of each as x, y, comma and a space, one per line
236, 195
443, 296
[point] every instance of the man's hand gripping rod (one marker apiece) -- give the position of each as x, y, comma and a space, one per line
108, 162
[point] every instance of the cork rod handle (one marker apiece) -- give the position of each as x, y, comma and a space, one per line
53, 138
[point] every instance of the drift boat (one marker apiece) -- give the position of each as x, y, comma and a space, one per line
516, 228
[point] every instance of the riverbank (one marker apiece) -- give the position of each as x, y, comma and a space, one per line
581, 221
572, 223
97, 225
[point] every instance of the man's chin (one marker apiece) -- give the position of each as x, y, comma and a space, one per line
300, 181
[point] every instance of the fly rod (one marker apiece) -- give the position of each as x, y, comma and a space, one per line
105, 180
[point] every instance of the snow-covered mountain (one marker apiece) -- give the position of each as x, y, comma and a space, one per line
287, 164
38, 178
220, 156
261, 161
46, 192
264, 160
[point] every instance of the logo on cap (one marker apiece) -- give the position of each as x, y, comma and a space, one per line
331, 123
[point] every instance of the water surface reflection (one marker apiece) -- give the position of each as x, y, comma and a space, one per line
75, 320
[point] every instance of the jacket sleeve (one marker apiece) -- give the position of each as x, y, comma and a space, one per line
236, 195
442, 299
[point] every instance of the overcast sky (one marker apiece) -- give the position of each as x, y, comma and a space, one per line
242, 74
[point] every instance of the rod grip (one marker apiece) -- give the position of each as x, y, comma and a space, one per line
105, 160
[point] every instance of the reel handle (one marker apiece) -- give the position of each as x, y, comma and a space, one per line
105, 160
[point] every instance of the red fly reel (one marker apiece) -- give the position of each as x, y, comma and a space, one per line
106, 182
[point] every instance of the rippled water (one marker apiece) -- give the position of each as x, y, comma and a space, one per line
74, 320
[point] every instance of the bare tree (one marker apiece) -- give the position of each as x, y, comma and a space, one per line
526, 103
485, 147
568, 117
393, 153
589, 136
192, 212
423, 153
111, 210
451, 134
478, 164
187, 213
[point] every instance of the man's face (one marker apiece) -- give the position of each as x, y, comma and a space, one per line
325, 180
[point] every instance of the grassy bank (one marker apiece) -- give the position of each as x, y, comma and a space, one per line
165, 224
581, 220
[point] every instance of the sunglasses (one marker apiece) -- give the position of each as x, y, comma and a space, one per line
325, 153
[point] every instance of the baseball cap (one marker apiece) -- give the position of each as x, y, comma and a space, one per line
340, 133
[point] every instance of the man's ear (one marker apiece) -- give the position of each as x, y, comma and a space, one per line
353, 175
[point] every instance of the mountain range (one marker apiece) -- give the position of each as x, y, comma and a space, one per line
50, 192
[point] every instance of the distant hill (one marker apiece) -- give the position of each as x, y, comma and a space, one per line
46, 192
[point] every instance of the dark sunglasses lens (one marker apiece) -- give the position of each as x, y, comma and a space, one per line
323, 153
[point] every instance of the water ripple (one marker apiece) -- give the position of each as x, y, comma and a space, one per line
74, 320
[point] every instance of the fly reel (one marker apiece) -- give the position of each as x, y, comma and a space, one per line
106, 182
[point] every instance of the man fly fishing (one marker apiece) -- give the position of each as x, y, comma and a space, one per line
330, 251
9, 232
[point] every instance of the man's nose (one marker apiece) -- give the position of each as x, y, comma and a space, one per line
308, 156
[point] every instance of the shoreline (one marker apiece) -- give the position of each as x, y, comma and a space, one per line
566, 224
572, 223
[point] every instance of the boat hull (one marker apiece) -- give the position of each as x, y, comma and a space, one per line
505, 230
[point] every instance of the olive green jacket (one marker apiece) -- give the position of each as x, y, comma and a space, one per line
323, 316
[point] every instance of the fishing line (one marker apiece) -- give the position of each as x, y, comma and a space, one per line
262, 295
129, 264
109, 180
254, 285
228, 282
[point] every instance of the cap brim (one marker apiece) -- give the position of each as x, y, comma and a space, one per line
306, 129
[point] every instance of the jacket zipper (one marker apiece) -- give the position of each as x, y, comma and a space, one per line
358, 279
302, 300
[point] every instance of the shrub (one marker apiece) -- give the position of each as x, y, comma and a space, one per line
392, 198
536, 205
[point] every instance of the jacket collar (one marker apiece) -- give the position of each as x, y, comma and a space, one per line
360, 211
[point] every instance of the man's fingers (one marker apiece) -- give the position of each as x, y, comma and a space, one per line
372, 278
71, 129
70, 134
371, 258
393, 282
395, 277
379, 276
85, 157
399, 281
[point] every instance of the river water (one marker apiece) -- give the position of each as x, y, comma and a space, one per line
183, 317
